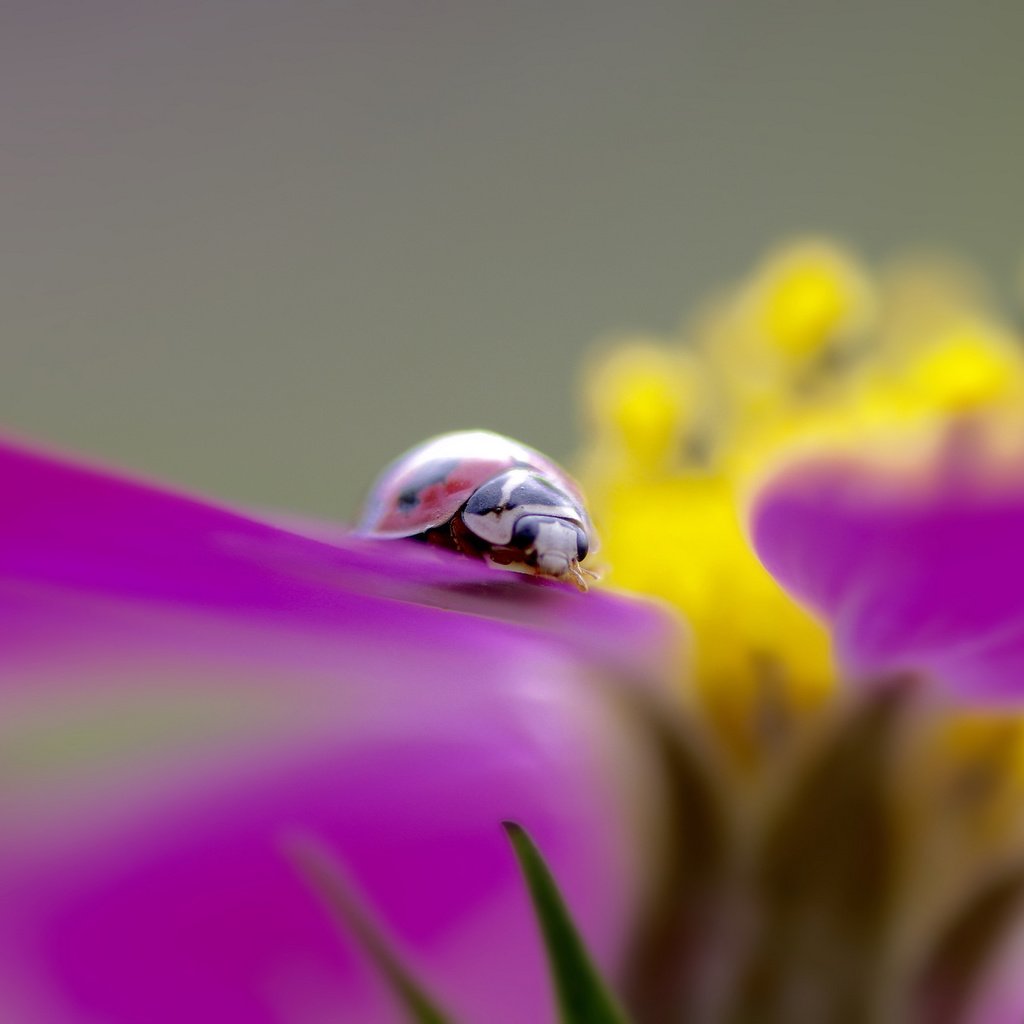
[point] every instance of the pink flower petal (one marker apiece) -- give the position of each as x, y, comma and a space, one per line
183, 687
916, 566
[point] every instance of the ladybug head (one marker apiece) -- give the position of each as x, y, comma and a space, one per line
555, 546
528, 519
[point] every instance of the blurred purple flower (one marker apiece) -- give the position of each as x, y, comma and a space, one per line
913, 553
183, 686
914, 556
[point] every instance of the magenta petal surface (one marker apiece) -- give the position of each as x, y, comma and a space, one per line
184, 687
917, 567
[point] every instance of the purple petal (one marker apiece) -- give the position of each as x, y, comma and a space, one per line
1000, 999
916, 563
183, 687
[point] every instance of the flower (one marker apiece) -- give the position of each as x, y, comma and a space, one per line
818, 818
185, 688
834, 497
913, 553
811, 351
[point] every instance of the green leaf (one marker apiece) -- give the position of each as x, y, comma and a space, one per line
583, 997
327, 878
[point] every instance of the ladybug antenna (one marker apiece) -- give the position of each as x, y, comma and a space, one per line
579, 576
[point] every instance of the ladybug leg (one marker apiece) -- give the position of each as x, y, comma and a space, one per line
440, 537
461, 538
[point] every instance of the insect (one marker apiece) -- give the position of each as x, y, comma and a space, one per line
489, 497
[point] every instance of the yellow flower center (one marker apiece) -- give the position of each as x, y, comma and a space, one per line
681, 426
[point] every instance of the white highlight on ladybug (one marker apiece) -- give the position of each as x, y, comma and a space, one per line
489, 497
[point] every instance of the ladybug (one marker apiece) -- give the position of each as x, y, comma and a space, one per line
489, 497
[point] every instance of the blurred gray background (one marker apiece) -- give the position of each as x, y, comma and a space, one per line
259, 248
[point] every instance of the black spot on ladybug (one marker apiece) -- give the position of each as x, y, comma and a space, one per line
535, 491
434, 473
487, 498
